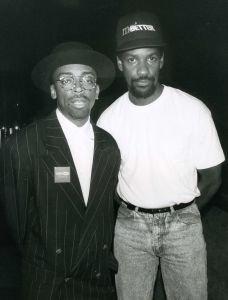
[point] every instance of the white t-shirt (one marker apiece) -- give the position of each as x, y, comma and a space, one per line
81, 144
162, 145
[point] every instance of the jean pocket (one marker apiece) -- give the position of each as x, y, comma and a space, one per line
189, 215
124, 213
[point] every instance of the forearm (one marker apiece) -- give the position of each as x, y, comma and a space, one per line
207, 190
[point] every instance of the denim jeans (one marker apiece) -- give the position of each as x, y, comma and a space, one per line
175, 240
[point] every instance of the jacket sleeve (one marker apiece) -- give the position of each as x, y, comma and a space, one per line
14, 189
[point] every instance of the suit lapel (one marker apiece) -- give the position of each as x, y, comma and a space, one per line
58, 155
98, 166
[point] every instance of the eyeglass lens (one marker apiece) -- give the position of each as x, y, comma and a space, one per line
68, 82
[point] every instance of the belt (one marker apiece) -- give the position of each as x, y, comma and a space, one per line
155, 210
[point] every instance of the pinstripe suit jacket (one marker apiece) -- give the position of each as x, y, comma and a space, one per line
66, 246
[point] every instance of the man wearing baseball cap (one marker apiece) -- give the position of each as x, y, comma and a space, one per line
59, 177
170, 166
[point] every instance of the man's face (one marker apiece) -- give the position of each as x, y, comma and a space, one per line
76, 90
141, 68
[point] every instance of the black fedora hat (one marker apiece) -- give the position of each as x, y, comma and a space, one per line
73, 53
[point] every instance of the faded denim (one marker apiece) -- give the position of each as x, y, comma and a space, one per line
175, 239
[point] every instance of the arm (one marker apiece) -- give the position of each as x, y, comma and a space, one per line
208, 184
14, 189
8, 191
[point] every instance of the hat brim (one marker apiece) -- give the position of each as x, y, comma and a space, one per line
140, 43
102, 65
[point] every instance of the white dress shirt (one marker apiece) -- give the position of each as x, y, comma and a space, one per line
81, 144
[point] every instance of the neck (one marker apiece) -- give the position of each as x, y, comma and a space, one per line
79, 123
145, 101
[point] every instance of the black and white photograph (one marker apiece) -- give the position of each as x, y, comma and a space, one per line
113, 150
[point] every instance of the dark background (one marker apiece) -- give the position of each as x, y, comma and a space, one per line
196, 61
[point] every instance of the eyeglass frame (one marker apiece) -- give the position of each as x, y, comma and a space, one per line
81, 82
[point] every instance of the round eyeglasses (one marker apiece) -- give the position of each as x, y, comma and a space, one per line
68, 81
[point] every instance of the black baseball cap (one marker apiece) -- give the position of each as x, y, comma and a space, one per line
138, 30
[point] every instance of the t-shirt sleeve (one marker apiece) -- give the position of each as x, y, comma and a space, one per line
101, 121
207, 150
105, 122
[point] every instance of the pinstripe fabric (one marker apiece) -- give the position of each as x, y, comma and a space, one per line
66, 246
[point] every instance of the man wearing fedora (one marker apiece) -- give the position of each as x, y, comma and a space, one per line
59, 178
170, 165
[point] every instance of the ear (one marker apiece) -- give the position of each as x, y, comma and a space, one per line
97, 91
53, 91
162, 61
119, 64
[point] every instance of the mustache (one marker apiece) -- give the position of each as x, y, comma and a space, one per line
143, 78
78, 96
